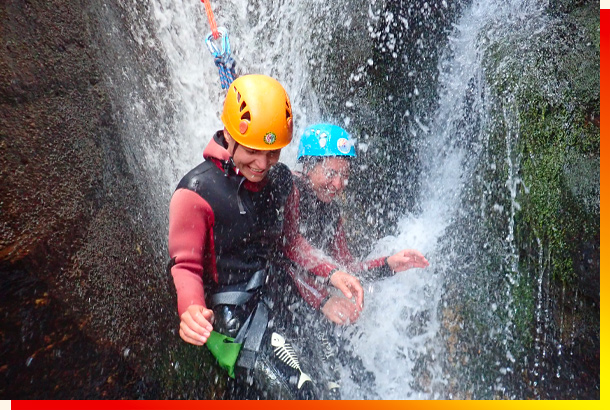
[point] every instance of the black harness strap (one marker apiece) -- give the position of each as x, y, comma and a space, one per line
238, 296
231, 298
253, 336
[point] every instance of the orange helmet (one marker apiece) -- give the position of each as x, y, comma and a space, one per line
257, 113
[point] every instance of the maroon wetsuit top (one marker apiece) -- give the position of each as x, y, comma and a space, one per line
320, 246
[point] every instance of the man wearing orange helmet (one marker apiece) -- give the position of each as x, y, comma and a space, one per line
225, 226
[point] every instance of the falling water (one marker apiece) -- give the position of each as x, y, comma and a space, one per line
398, 335
401, 320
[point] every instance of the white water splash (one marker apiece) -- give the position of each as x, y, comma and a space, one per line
452, 144
266, 37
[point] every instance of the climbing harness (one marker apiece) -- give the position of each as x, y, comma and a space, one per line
222, 55
243, 349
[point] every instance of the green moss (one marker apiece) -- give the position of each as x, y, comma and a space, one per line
553, 87
550, 136
544, 137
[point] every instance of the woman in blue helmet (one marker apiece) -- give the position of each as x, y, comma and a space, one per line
319, 249
325, 150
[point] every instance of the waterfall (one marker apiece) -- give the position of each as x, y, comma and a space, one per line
398, 336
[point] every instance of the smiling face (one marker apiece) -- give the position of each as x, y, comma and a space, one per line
254, 164
329, 177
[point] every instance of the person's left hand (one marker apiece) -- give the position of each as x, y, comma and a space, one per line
407, 259
349, 285
340, 310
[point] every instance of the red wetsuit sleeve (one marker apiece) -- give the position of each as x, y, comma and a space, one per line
296, 247
345, 258
191, 245
313, 292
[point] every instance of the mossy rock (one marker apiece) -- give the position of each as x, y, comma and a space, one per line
543, 139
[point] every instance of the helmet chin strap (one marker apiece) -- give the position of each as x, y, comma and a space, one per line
231, 163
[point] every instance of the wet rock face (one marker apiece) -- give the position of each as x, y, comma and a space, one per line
554, 80
50, 116
71, 219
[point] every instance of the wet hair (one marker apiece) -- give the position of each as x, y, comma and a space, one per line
310, 162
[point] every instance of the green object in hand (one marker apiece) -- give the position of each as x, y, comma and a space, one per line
225, 350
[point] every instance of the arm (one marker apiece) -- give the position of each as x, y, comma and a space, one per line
340, 310
313, 292
371, 269
376, 268
190, 230
407, 259
296, 247
336, 308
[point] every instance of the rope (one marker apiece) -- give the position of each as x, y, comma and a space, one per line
222, 54
226, 70
211, 20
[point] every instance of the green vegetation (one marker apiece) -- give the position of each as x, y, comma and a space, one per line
535, 258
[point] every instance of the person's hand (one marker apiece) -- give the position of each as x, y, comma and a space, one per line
407, 259
340, 310
349, 285
196, 324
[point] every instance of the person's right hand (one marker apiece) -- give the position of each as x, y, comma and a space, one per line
196, 324
407, 259
349, 285
340, 310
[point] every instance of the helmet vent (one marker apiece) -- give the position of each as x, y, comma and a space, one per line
288, 109
242, 106
246, 116
238, 94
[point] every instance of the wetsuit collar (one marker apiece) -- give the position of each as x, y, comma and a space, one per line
217, 151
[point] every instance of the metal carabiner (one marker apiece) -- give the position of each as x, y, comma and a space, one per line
224, 43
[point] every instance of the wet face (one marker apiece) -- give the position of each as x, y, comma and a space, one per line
254, 164
329, 177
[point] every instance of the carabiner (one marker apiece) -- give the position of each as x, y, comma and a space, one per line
224, 43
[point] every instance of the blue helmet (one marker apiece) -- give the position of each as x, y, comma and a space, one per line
326, 140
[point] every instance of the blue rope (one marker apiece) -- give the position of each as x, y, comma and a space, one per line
226, 69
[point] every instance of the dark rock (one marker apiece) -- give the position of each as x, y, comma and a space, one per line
73, 228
